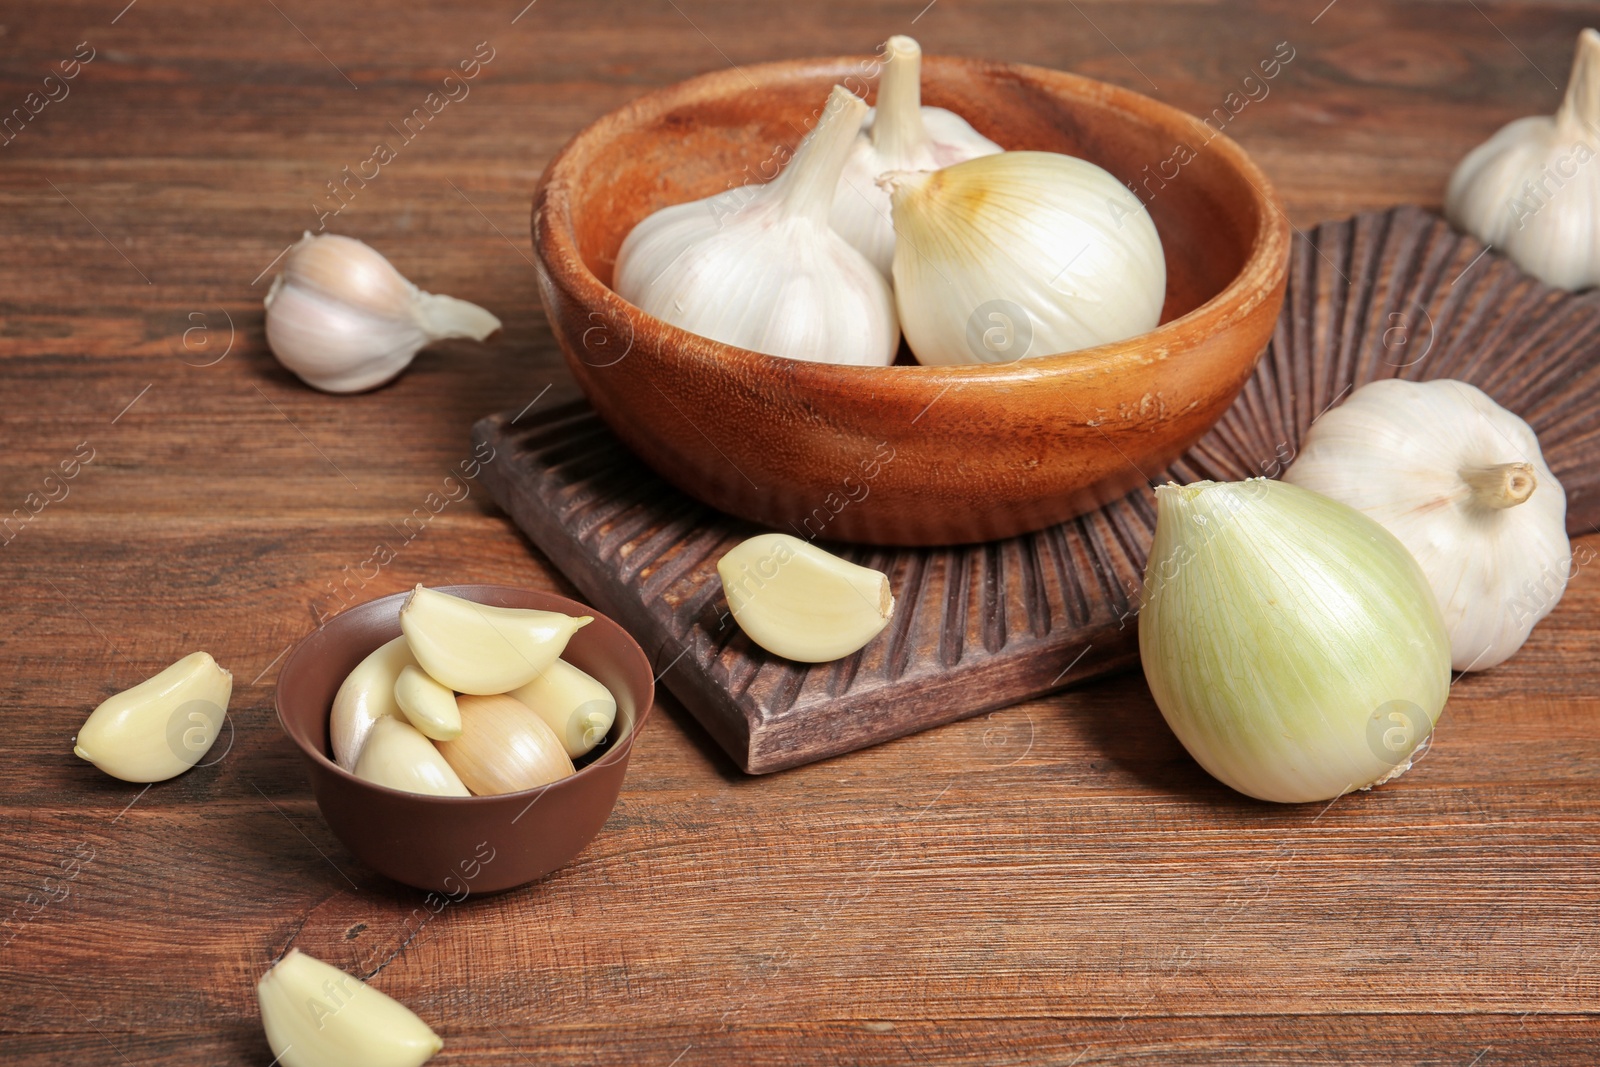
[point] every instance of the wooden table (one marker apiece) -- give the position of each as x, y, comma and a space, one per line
1055, 883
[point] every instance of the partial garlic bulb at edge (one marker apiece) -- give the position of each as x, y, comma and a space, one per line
1533, 189
315, 1015
899, 134
1461, 482
1022, 254
759, 267
343, 319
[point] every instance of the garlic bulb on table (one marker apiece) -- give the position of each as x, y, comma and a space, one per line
1533, 189
760, 268
899, 134
1461, 482
343, 319
1291, 643
1022, 254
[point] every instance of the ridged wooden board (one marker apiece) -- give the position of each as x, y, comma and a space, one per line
978, 627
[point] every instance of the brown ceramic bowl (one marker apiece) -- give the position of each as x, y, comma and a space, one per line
978, 451
459, 845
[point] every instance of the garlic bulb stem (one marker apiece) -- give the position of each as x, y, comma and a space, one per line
443, 316
1580, 107
1501, 485
808, 184
897, 129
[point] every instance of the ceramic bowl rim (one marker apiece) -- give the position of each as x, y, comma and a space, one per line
618, 752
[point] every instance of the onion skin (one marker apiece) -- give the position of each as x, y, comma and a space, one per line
1293, 644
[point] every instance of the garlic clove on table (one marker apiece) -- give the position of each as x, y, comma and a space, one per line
365, 696
1019, 255
479, 648
1533, 189
898, 134
399, 756
801, 603
1462, 483
315, 1015
504, 747
576, 706
345, 320
161, 727
759, 267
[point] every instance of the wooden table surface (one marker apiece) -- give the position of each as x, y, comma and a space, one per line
1055, 883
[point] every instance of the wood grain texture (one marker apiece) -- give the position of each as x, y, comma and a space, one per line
1053, 883
978, 627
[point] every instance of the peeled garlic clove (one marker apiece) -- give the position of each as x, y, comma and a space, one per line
1291, 643
1022, 254
162, 726
898, 134
315, 1015
398, 756
577, 707
801, 603
504, 747
481, 649
1462, 483
759, 266
343, 319
365, 696
1533, 189
427, 705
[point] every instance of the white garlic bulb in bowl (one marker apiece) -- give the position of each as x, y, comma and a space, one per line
1533, 189
1462, 483
760, 268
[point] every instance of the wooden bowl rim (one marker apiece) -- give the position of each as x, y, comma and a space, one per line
1262, 273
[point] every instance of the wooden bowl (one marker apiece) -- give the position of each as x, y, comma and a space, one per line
461, 845
910, 454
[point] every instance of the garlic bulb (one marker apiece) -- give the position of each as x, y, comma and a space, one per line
760, 268
1291, 643
1022, 254
482, 649
365, 696
427, 705
899, 134
1461, 482
1533, 191
161, 727
315, 1015
343, 319
399, 756
801, 603
504, 747
576, 706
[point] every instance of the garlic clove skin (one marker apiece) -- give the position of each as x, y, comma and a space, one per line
343, 319
427, 705
365, 696
898, 134
759, 267
1020, 255
504, 747
161, 727
1292, 644
315, 1015
397, 755
481, 649
801, 603
1462, 483
576, 706
1533, 189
